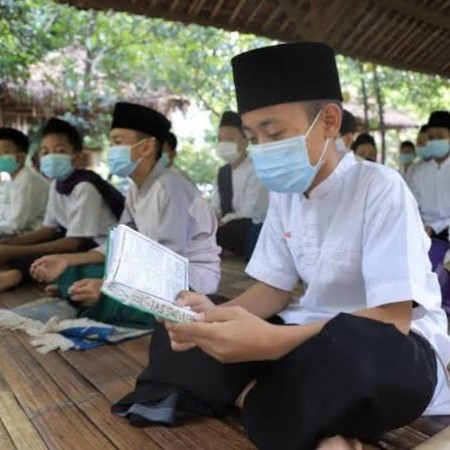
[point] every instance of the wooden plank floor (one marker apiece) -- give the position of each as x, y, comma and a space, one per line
62, 400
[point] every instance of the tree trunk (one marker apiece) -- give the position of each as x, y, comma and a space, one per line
365, 97
379, 98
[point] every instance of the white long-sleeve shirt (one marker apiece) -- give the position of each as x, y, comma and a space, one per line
250, 197
430, 184
169, 209
26, 199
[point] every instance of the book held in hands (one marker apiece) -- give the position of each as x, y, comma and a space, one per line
144, 274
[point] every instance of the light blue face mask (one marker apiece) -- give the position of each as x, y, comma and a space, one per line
284, 166
120, 162
164, 160
438, 148
8, 163
406, 158
423, 152
57, 166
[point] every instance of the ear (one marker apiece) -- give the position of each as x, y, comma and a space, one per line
78, 160
332, 118
21, 157
149, 147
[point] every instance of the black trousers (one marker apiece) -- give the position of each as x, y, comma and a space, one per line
24, 263
233, 235
443, 235
358, 378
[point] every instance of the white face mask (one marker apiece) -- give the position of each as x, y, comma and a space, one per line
340, 145
227, 151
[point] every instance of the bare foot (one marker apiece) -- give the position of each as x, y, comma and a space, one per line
340, 443
9, 279
241, 398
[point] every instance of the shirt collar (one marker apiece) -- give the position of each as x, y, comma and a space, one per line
321, 190
154, 174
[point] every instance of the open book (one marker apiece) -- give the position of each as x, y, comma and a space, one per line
145, 275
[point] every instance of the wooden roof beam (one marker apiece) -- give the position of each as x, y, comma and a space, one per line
362, 41
276, 11
216, 9
237, 10
291, 10
423, 13
411, 56
255, 12
403, 46
174, 5
367, 18
430, 57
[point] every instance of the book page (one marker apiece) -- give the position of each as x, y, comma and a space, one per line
146, 266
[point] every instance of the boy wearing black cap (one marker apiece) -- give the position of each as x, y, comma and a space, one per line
242, 198
160, 204
80, 210
27, 191
431, 180
368, 342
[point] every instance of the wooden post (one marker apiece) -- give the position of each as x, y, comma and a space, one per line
365, 96
379, 98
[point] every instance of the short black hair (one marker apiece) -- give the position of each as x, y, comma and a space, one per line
172, 141
407, 144
348, 124
20, 139
58, 126
364, 138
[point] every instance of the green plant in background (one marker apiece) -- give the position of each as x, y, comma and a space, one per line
92, 59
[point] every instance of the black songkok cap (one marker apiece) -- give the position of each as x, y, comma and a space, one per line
439, 119
140, 118
231, 119
285, 73
348, 124
58, 126
20, 140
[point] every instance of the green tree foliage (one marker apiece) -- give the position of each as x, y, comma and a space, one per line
107, 56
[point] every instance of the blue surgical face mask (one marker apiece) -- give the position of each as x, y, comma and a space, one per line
57, 166
164, 160
438, 148
423, 152
284, 166
120, 162
406, 158
8, 163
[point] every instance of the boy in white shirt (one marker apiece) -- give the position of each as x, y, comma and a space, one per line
27, 192
431, 180
80, 210
243, 199
367, 347
160, 204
